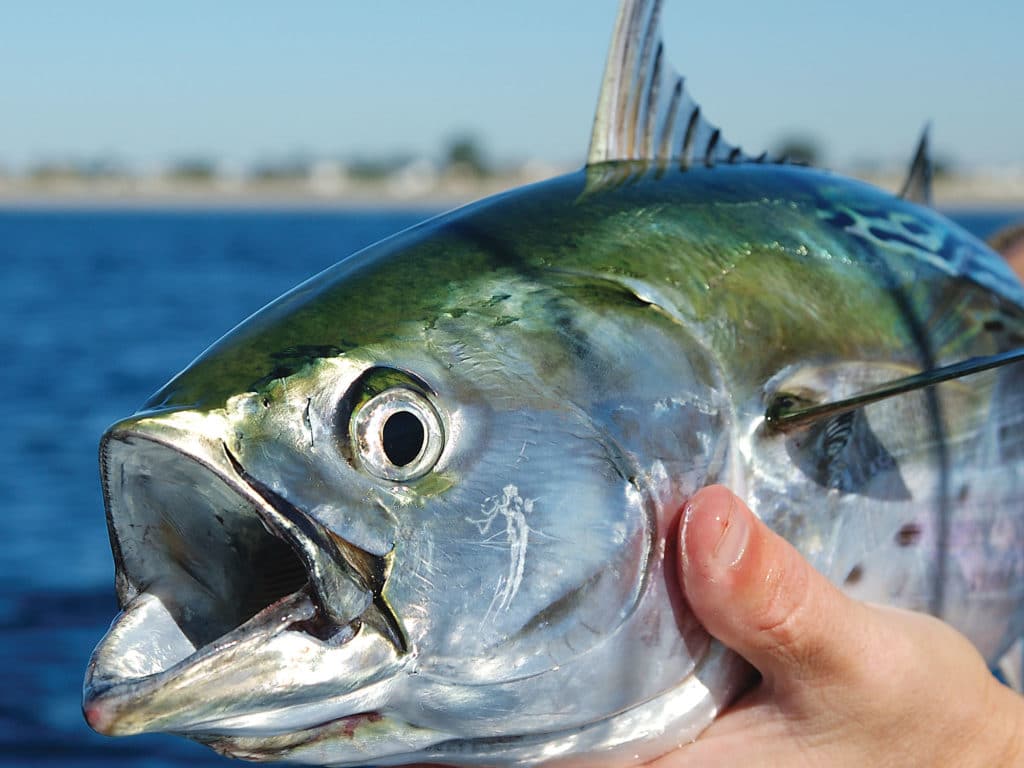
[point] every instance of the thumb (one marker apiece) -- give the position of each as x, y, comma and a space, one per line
755, 593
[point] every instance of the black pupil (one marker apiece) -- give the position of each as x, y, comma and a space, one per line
403, 437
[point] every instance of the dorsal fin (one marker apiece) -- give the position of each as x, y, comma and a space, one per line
918, 186
644, 112
786, 412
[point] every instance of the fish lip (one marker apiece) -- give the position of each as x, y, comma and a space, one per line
107, 697
134, 461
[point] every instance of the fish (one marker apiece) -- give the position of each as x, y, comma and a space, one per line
422, 508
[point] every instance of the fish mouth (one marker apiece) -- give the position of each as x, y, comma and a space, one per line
238, 610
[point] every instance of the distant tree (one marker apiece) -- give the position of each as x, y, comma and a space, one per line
96, 168
366, 168
943, 166
49, 171
465, 155
285, 169
799, 149
193, 169
102, 168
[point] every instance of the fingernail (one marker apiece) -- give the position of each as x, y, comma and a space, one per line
732, 541
714, 531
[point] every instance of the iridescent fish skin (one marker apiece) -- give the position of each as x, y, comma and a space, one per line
593, 354
421, 509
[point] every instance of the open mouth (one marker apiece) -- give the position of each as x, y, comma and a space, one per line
185, 535
209, 560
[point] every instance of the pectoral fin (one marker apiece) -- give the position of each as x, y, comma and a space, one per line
785, 412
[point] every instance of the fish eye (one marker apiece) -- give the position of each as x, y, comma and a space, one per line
397, 435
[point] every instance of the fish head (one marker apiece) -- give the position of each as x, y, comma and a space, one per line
388, 512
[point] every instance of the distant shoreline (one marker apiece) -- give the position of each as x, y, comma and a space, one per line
216, 202
396, 193
956, 193
87, 198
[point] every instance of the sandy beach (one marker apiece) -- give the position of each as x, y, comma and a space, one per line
439, 193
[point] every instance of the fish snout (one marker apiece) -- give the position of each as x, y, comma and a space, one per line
226, 588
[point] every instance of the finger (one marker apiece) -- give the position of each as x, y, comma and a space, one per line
753, 591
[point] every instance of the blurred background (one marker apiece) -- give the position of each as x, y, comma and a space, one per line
393, 101
165, 170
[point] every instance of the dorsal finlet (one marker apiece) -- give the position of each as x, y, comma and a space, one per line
644, 112
918, 186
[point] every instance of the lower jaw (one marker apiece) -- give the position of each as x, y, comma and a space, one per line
145, 676
630, 738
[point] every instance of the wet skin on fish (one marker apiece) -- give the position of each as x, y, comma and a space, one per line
419, 509
576, 364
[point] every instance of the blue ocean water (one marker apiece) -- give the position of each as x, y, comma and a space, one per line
98, 309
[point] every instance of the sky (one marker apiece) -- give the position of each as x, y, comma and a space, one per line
240, 81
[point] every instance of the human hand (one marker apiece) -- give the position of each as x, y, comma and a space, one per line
843, 683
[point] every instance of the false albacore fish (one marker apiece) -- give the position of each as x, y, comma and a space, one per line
419, 509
